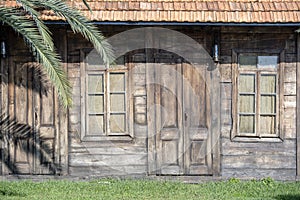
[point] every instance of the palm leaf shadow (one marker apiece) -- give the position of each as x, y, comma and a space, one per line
23, 135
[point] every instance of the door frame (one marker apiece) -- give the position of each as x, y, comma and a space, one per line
60, 147
214, 96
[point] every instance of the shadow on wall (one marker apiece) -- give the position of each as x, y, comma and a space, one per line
25, 137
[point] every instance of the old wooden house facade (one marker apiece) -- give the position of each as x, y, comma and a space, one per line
200, 88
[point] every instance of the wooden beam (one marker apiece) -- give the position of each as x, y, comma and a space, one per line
298, 105
62, 113
150, 79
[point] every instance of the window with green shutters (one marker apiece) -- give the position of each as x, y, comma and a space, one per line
257, 96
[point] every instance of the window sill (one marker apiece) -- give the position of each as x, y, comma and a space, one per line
125, 138
256, 139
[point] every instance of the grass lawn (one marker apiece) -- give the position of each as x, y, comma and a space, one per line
146, 189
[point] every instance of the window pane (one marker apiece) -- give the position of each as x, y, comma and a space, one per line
95, 104
95, 83
95, 125
268, 83
117, 82
117, 102
117, 123
247, 104
246, 124
267, 61
247, 83
268, 104
247, 62
267, 124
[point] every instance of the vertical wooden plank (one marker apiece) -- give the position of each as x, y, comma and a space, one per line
281, 92
62, 113
150, 79
234, 94
157, 101
186, 73
130, 96
298, 105
4, 109
83, 90
215, 119
179, 96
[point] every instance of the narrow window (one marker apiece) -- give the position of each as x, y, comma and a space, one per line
106, 103
257, 101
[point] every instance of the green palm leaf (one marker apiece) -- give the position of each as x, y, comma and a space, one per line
80, 24
42, 28
47, 57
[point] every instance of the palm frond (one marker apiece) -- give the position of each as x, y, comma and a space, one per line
47, 57
80, 24
43, 29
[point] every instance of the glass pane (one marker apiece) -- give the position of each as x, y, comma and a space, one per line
267, 124
268, 104
117, 102
95, 104
246, 124
95, 83
247, 104
117, 123
268, 83
267, 61
247, 62
95, 125
247, 83
117, 82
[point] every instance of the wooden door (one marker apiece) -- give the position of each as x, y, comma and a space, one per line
29, 109
182, 142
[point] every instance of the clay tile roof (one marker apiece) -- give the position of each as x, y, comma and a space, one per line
236, 11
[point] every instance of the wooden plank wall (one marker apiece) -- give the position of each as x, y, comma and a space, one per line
259, 159
107, 158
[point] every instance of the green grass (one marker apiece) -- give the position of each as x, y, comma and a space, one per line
146, 189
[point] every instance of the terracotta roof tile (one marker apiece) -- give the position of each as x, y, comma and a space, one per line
201, 6
168, 5
179, 6
226, 6
249, 11
245, 6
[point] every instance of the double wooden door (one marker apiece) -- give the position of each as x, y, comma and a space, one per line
182, 143
29, 121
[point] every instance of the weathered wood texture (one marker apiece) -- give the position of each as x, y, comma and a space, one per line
138, 155
259, 159
297, 74
107, 158
29, 115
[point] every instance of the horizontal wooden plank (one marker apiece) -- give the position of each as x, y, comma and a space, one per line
113, 150
198, 133
259, 162
170, 133
108, 170
287, 144
289, 88
80, 159
281, 174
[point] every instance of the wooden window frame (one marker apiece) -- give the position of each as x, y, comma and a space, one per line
106, 72
235, 135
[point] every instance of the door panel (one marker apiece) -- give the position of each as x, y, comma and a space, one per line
28, 119
182, 118
196, 109
169, 123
